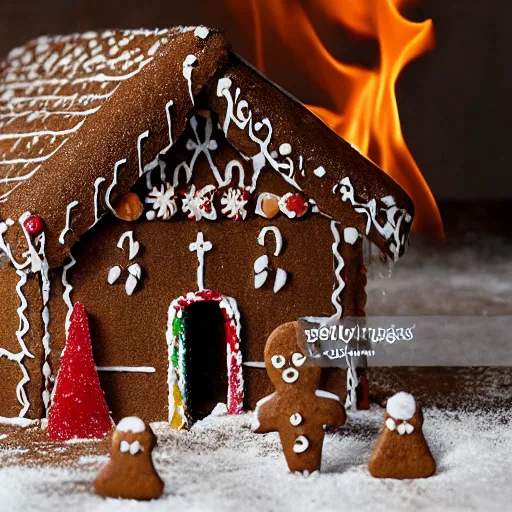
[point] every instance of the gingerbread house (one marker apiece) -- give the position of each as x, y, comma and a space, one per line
188, 202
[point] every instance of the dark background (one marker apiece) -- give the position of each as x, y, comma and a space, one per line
454, 102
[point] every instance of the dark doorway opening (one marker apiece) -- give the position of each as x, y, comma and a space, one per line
205, 358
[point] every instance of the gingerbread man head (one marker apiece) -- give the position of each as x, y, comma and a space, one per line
285, 363
129, 473
131, 438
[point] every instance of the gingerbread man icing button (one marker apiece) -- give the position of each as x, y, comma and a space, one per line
298, 410
401, 450
129, 473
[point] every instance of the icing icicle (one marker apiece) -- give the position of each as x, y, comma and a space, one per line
339, 264
68, 288
67, 228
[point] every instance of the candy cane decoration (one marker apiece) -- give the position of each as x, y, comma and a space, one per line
261, 265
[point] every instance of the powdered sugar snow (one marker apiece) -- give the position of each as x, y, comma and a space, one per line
221, 465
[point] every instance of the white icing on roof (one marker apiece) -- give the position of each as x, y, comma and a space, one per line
131, 424
50, 86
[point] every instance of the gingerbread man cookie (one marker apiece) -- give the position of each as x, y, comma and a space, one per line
129, 473
401, 450
298, 410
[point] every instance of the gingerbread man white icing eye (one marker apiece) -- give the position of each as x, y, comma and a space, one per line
133, 448
290, 375
301, 444
295, 419
278, 361
298, 359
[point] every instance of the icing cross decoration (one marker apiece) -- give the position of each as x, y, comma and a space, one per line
200, 246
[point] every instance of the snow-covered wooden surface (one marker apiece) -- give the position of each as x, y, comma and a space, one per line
221, 465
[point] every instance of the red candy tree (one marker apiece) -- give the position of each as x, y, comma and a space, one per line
78, 409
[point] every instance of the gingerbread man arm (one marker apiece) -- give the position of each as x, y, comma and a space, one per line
264, 418
332, 414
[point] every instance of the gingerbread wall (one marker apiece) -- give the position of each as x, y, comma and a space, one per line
130, 330
27, 320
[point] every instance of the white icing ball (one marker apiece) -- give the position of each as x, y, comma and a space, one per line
401, 406
350, 235
285, 149
131, 424
201, 32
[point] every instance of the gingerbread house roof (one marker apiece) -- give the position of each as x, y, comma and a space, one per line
82, 117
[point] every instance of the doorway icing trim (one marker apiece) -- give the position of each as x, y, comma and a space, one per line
176, 340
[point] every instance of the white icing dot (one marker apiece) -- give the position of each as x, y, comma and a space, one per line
401, 406
295, 419
201, 32
278, 361
212, 145
285, 149
319, 171
350, 235
150, 215
298, 359
290, 375
131, 424
274, 154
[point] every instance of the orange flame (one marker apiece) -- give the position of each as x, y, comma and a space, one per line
365, 110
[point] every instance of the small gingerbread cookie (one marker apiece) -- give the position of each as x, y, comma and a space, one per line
401, 450
129, 473
298, 410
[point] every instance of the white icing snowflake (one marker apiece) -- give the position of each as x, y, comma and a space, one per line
163, 200
199, 204
234, 200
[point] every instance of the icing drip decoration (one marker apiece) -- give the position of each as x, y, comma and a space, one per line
176, 342
24, 326
395, 217
200, 246
188, 64
339, 264
238, 112
66, 296
35, 258
97, 216
67, 228
113, 184
140, 140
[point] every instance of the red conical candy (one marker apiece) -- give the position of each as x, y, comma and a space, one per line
78, 409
